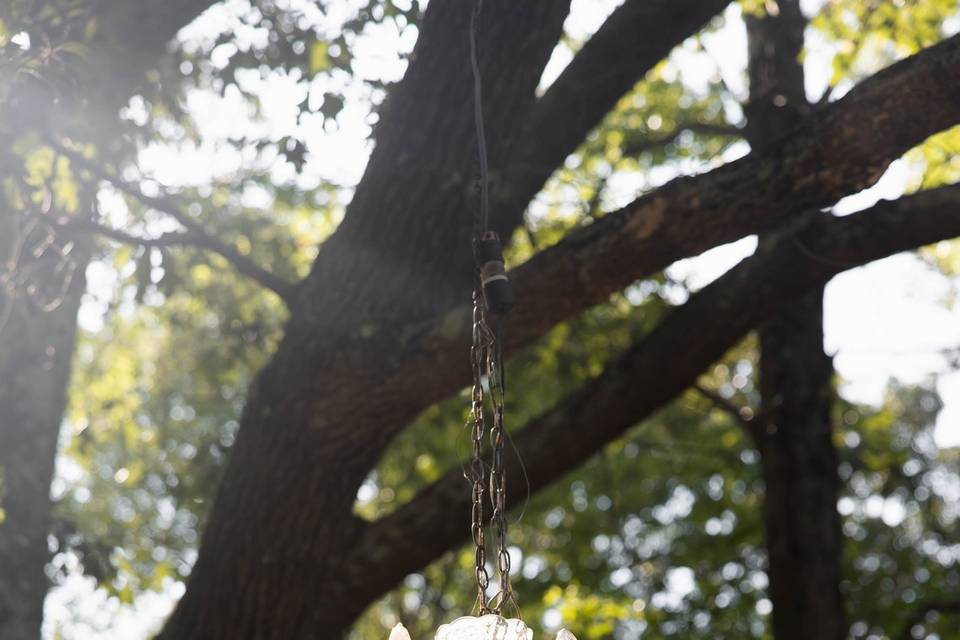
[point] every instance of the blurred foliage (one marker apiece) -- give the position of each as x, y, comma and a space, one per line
658, 536
867, 35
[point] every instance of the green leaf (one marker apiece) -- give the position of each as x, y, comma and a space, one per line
319, 57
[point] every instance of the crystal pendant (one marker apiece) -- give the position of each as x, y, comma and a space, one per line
489, 627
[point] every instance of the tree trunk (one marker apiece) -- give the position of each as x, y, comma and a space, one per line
795, 440
36, 348
804, 543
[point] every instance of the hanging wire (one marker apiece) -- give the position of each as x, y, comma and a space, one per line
482, 223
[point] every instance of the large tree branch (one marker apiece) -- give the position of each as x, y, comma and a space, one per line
841, 150
693, 336
636, 36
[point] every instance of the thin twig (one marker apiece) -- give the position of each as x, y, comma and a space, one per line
167, 239
725, 405
705, 128
195, 234
920, 614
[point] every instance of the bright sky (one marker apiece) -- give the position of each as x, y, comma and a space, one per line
884, 320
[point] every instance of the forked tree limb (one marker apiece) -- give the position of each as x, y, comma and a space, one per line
636, 36
653, 372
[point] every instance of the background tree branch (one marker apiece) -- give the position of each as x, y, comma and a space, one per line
37, 340
195, 234
725, 131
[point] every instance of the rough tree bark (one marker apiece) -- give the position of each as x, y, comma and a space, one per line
802, 526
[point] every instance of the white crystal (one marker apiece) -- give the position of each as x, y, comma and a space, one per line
490, 627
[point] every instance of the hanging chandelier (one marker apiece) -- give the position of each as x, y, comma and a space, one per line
492, 298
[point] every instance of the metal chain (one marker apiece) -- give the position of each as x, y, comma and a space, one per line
488, 392
477, 464
498, 478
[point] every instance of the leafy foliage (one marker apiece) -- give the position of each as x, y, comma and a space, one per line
659, 536
870, 35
